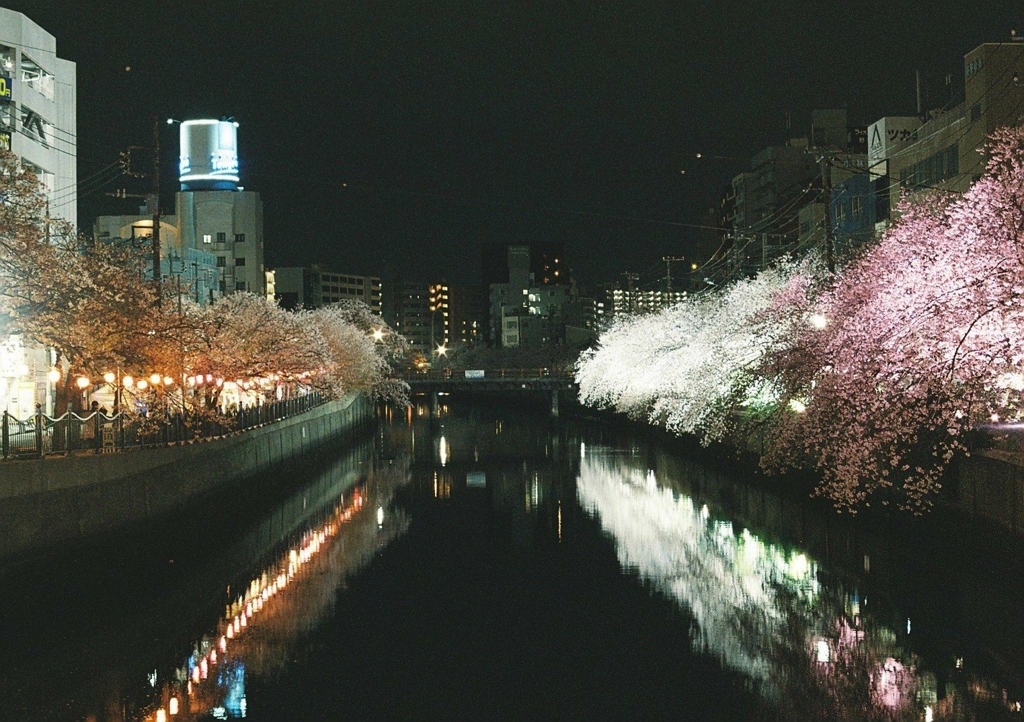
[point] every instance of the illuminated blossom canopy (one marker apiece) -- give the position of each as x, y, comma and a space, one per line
690, 367
871, 376
92, 303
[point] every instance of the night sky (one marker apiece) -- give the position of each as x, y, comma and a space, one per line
401, 136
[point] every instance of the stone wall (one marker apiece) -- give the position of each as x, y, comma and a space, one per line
45, 502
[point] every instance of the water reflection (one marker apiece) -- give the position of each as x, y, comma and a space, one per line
284, 603
812, 650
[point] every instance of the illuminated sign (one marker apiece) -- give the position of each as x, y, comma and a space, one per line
209, 154
5, 140
5, 88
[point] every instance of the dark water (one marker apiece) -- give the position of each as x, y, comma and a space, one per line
493, 563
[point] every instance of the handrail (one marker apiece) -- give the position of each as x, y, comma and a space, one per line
489, 374
96, 432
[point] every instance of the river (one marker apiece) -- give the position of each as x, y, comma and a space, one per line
488, 561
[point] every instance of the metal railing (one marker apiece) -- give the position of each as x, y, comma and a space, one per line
488, 374
100, 433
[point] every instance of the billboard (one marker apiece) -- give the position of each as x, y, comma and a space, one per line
887, 134
6, 89
208, 158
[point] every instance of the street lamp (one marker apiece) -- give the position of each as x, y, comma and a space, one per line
378, 335
83, 383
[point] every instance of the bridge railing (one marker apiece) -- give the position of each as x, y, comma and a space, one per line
486, 374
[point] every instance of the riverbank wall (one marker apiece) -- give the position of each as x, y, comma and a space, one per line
58, 499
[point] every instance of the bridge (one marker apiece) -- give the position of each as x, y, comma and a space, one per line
436, 381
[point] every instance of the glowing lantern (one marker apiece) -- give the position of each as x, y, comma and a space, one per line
109, 377
142, 384
154, 379
173, 706
127, 382
54, 376
82, 382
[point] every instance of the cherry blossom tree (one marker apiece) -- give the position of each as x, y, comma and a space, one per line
691, 367
924, 341
92, 303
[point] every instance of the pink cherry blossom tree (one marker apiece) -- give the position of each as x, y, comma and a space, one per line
924, 340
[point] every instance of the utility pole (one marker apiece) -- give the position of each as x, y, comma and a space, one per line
826, 189
668, 270
156, 210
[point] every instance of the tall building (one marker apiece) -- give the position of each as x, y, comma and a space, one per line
468, 313
213, 240
406, 308
38, 111
514, 301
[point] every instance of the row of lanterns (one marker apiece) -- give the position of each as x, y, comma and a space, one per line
155, 380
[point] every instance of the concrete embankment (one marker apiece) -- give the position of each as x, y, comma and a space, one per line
50, 501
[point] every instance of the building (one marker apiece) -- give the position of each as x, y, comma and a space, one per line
215, 233
406, 307
468, 313
38, 109
313, 286
38, 124
946, 151
765, 207
521, 294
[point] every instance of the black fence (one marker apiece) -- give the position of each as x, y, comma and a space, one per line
100, 433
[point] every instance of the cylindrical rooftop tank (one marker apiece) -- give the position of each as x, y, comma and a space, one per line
209, 155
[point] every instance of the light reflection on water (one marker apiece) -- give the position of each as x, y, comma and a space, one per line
284, 603
813, 652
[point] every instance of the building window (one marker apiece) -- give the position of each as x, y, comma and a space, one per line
223, 287
221, 237
239, 261
35, 77
6, 60
857, 206
976, 112
207, 238
241, 286
239, 238
222, 262
35, 127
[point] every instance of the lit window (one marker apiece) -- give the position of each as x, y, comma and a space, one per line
207, 238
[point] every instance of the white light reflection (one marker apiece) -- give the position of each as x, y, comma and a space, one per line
442, 451
727, 582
